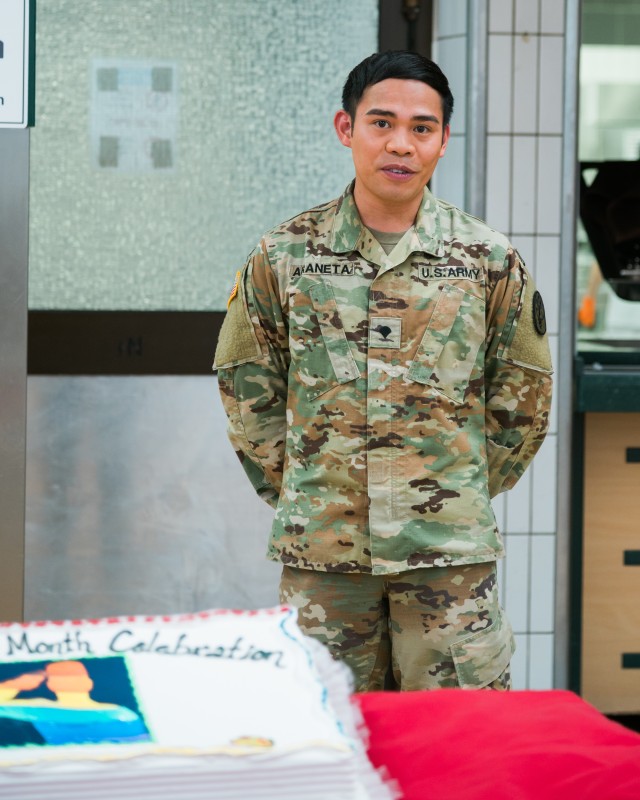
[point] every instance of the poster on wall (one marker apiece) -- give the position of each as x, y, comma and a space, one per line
17, 52
134, 115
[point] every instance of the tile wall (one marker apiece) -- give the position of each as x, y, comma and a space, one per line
524, 137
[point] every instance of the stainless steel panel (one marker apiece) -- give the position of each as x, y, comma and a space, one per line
477, 73
14, 169
136, 502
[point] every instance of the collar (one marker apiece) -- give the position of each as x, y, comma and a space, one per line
350, 234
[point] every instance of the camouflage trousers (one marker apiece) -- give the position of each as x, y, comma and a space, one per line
433, 627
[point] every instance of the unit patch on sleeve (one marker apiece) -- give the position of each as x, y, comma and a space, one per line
539, 317
529, 344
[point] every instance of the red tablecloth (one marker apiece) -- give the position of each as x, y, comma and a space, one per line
465, 745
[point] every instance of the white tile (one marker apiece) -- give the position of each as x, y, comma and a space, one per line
452, 59
549, 183
543, 572
499, 84
450, 17
516, 582
526, 20
548, 278
552, 16
540, 661
518, 505
553, 420
499, 182
544, 486
526, 246
523, 189
550, 87
525, 84
449, 178
520, 663
500, 16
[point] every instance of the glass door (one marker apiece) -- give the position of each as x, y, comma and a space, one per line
169, 135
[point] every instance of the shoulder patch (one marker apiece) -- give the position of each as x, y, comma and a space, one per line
529, 346
539, 318
237, 343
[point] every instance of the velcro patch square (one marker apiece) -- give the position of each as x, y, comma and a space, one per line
385, 332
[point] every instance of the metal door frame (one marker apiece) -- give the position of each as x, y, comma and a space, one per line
14, 242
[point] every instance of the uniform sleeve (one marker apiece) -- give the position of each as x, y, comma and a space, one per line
252, 360
517, 375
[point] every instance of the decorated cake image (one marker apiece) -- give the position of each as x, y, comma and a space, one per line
218, 704
68, 702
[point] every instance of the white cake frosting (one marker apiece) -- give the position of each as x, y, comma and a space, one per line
218, 704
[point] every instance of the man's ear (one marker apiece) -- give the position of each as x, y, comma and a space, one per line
342, 124
445, 140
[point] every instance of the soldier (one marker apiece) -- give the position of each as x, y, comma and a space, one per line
385, 370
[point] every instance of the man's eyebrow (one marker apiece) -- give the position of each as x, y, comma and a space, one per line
381, 112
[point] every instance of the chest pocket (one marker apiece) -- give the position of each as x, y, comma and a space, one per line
321, 354
449, 348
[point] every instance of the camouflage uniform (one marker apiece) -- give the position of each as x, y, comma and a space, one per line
437, 627
378, 401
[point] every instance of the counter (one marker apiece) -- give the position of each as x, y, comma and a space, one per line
607, 524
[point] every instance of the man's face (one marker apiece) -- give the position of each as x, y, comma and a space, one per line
396, 140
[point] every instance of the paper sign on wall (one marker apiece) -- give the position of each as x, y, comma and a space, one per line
134, 115
15, 32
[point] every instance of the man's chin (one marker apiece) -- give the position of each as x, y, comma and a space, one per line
398, 195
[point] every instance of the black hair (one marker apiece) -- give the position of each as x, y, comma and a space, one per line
401, 64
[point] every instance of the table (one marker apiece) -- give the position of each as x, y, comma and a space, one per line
453, 744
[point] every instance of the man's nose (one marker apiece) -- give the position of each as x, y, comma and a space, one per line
400, 143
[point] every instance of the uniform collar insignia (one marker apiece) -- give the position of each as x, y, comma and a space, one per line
347, 226
348, 229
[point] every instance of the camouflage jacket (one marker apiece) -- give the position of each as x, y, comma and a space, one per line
378, 401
